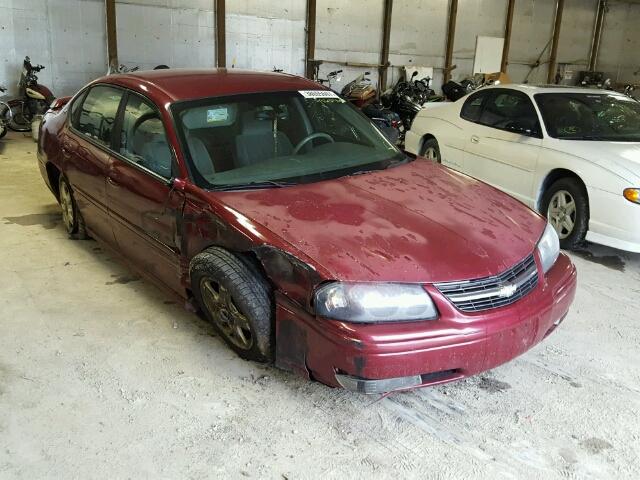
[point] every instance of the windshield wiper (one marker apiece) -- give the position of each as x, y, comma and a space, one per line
252, 185
392, 163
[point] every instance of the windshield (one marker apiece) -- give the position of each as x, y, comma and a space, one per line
590, 116
276, 139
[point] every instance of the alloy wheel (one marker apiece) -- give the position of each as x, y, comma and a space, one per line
226, 315
562, 213
431, 154
66, 203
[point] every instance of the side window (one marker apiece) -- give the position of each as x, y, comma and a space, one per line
75, 109
473, 106
143, 139
510, 110
98, 113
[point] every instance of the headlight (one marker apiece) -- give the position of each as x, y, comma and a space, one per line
374, 302
548, 248
632, 194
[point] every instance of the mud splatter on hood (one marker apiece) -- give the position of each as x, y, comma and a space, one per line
419, 222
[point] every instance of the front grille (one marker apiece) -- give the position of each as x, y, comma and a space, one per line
492, 292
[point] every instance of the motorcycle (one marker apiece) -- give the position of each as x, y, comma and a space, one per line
21, 113
3, 122
408, 97
362, 95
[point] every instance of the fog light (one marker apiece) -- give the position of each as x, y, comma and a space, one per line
632, 194
371, 387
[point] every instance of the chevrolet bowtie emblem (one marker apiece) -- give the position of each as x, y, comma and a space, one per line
507, 291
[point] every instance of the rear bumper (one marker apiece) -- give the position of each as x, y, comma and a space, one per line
454, 346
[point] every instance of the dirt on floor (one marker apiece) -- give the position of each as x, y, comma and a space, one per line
102, 375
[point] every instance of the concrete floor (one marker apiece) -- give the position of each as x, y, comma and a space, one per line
104, 376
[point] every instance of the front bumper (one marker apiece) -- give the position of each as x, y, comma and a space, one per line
414, 354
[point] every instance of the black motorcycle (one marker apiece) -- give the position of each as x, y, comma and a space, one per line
408, 97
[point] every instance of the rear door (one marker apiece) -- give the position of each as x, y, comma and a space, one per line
145, 210
504, 143
85, 148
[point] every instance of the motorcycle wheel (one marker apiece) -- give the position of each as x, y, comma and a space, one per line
3, 129
19, 122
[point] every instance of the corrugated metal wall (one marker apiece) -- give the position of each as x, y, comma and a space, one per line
68, 36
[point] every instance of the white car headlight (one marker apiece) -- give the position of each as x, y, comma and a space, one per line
374, 302
548, 248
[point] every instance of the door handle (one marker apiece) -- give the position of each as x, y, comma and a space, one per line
65, 149
475, 139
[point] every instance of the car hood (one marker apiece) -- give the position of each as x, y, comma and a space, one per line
621, 158
418, 222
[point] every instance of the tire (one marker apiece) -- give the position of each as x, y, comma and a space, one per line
566, 199
19, 121
431, 150
71, 218
3, 129
237, 300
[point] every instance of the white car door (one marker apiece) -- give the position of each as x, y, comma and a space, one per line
503, 146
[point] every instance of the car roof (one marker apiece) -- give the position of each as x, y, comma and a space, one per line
533, 89
174, 85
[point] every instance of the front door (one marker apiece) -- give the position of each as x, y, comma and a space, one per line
144, 208
503, 145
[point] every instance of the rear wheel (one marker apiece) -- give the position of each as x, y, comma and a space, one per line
566, 207
237, 300
20, 120
71, 217
431, 150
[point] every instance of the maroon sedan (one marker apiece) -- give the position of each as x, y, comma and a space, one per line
303, 234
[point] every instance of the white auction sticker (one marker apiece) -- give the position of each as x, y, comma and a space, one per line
319, 94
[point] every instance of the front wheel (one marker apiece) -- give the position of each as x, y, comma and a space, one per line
237, 300
566, 207
431, 150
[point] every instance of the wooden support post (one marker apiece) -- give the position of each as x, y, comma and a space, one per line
507, 35
221, 35
311, 39
555, 40
451, 33
384, 54
112, 35
597, 35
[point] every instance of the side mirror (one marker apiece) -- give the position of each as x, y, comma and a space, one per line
178, 184
58, 103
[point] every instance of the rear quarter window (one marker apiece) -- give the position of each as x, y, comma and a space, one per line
473, 106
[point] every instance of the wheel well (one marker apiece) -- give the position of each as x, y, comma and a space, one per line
552, 177
426, 137
54, 178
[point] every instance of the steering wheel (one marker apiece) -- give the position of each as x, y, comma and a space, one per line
310, 137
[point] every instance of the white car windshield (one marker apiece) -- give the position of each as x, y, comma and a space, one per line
590, 116
276, 139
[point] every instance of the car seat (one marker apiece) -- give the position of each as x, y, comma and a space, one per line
256, 143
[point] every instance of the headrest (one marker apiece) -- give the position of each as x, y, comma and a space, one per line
253, 126
210, 116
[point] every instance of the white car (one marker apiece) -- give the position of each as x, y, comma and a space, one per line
571, 153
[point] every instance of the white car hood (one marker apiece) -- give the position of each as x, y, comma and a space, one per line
621, 158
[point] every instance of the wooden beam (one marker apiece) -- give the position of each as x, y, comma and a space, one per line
311, 39
555, 40
221, 34
451, 33
112, 35
597, 35
507, 35
384, 53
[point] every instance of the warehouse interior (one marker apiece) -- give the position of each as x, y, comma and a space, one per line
106, 374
